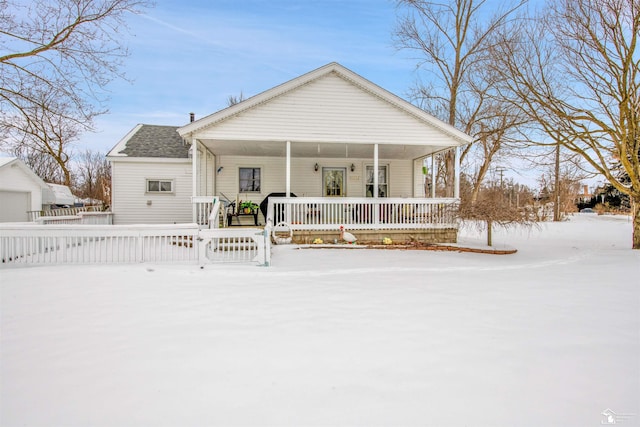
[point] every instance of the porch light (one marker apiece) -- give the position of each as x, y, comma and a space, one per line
316, 167
353, 167
220, 169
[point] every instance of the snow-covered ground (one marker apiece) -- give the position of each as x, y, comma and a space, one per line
547, 336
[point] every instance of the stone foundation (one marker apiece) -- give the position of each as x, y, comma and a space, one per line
373, 237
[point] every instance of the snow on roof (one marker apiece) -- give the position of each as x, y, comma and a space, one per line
6, 160
16, 162
62, 194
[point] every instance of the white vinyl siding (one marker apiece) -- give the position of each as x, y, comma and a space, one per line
206, 172
328, 109
304, 180
132, 204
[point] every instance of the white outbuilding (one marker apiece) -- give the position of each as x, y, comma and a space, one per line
21, 190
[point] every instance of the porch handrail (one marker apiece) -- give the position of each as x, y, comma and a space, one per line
34, 215
92, 218
202, 208
214, 216
389, 213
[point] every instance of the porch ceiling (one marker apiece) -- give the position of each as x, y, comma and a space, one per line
318, 149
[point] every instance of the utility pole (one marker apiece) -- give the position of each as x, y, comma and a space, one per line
500, 170
556, 186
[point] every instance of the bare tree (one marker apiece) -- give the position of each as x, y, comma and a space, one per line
233, 99
452, 41
560, 184
576, 73
46, 134
57, 57
492, 208
41, 164
94, 177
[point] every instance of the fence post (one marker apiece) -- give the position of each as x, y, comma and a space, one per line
266, 232
202, 249
139, 247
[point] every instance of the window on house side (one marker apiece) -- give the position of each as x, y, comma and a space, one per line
159, 186
249, 180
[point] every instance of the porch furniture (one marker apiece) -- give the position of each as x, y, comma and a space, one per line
232, 212
279, 215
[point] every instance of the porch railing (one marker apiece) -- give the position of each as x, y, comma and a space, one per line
34, 215
326, 213
93, 218
203, 207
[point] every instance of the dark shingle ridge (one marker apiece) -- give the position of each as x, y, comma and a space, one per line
156, 141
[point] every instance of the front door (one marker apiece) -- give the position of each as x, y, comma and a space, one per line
333, 182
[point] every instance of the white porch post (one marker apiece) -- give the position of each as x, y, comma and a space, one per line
376, 207
456, 179
194, 178
288, 182
375, 170
433, 176
288, 169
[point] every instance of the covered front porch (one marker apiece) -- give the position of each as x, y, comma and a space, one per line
327, 149
427, 220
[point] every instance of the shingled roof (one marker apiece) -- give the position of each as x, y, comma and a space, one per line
155, 141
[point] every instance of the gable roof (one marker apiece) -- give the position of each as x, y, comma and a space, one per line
329, 69
6, 162
151, 141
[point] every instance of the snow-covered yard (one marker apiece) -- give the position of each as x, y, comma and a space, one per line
547, 336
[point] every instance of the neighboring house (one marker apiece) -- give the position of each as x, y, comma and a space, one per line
321, 135
21, 190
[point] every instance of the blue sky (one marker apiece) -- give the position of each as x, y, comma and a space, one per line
191, 55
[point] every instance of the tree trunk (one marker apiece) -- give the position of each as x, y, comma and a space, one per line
489, 233
450, 173
635, 212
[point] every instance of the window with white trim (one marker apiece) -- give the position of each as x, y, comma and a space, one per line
159, 186
383, 187
250, 180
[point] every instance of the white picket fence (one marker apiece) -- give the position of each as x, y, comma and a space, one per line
34, 215
112, 244
105, 218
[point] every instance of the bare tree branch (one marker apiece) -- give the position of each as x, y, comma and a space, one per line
452, 41
56, 59
576, 73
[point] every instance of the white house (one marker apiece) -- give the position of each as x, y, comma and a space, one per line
21, 190
349, 150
